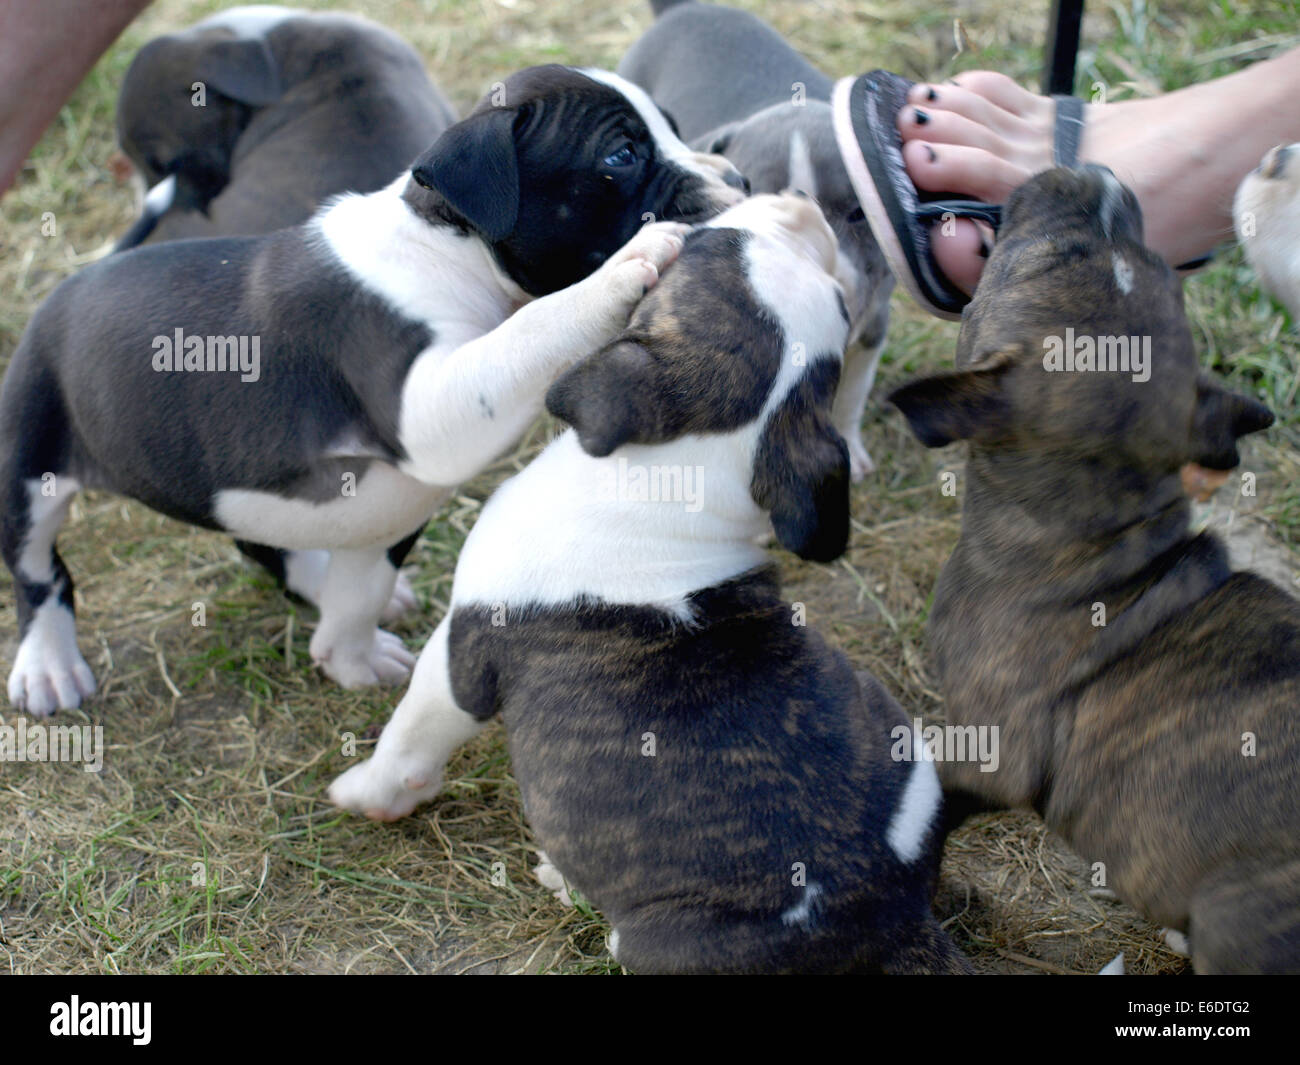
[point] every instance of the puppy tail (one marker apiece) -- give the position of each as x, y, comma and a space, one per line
660, 6
928, 950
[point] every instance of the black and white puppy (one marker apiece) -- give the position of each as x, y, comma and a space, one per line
322, 388
701, 765
249, 120
735, 87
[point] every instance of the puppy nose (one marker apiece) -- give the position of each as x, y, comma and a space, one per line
1275, 162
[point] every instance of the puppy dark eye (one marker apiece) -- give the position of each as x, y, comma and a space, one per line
625, 155
857, 215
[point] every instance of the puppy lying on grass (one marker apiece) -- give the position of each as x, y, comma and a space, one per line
692, 758
1145, 695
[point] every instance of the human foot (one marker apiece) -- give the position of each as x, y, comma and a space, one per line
981, 135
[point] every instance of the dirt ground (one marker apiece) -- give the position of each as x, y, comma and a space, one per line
204, 845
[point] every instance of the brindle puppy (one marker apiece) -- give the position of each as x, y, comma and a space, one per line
1163, 742
700, 764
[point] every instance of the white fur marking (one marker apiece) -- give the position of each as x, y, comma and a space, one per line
1123, 273
910, 826
45, 514
801, 913
667, 141
159, 198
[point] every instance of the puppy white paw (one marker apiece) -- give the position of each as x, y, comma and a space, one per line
635, 268
383, 791
552, 879
1177, 942
385, 661
658, 244
403, 600
49, 673
40, 688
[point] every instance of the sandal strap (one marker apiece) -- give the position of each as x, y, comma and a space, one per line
934, 210
1068, 132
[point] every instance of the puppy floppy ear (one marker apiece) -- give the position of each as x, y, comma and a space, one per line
801, 469
1219, 419
609, 398
474, 167
957, 405
244, 70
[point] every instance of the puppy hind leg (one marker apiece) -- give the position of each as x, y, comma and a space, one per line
425, 730
49, 672
856, 381
348, 645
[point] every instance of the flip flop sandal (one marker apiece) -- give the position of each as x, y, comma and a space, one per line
865, 111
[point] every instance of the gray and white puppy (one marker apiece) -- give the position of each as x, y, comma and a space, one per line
318, 391
247, 121
735, 87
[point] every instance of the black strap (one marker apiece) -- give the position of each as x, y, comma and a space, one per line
1069, 130
934, 210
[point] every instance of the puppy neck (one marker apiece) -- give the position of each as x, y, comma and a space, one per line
424, 269
645, 525
1063, 523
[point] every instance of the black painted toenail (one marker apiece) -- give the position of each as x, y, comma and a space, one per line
931, 95
934, 158
921, 117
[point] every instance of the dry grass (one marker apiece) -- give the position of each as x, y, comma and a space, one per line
204, 845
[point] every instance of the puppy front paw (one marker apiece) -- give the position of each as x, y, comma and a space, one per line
384, 792
635, 268
49, 676
658, 243
384, 661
